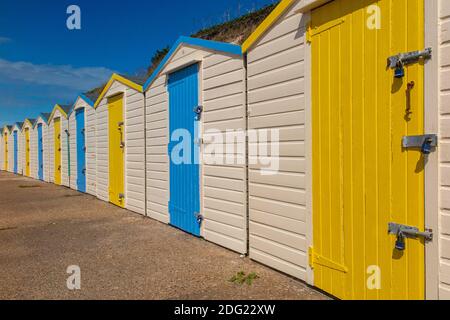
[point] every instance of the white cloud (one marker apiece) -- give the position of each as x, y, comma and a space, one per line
66, 76
4, 40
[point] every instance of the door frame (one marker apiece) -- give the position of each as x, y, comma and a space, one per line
185, 65
431, 123
76, 111
431, 104
123, 93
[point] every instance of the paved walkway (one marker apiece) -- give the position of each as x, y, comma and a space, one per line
45, 228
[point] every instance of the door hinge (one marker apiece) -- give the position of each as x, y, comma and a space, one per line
308, 33
316, 259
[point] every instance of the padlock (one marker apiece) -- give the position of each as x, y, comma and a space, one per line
399, 71
400, 244
427, 146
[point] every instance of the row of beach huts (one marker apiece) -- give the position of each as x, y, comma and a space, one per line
351, 192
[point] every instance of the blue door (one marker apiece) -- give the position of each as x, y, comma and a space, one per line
184, 205
81, 151
15, 152
40, 153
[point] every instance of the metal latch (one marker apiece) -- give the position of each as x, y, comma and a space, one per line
121, 196
199, 218
400, 60
402, 232
198, 110
426, 143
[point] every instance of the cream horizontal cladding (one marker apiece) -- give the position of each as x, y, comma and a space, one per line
134, 145
276, 100
444, 149
223, 187
91, 169
65, 165
157, 138
89, 115
61, 112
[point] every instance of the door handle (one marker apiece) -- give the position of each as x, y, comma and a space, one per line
122, 143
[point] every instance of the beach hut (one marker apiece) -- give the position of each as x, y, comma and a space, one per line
17, 148
358, 91
28, 154
120, 143
4, 149
41, 164
58, 137
195, 100
82, 144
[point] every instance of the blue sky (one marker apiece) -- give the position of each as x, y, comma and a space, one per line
43, 63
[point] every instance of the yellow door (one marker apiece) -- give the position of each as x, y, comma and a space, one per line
6, 151
27, 152
57, 139
362, 178
116, 151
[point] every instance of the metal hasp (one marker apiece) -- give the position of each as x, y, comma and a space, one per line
199, 218
400, 60
426, 143
198, 111
402, 232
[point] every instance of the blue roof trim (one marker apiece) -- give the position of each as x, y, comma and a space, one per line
85, 98
43, 117
208, 44
89, 101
